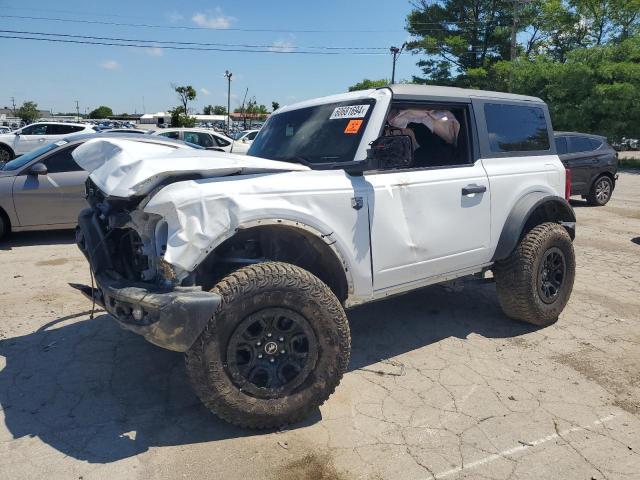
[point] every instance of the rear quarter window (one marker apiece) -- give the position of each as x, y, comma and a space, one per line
516, 128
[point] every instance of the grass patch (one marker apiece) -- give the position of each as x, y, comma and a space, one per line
629, 162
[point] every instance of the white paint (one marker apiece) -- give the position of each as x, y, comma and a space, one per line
520, 448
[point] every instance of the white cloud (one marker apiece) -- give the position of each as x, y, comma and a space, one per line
283, 45
154, 51
212, 20
110, 65
205, 91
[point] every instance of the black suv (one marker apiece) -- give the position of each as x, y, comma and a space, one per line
593, 164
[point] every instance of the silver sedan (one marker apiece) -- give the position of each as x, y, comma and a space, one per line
44, 189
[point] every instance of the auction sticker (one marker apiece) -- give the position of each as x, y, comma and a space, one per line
353, 127
349, 111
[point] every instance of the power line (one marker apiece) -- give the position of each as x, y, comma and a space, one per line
282, 50
187, 27
162, 42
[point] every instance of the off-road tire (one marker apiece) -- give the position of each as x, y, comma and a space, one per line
599, 195
252, 289
5, 154
517, 277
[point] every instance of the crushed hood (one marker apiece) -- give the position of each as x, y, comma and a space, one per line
125, 168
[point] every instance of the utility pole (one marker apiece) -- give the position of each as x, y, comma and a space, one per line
244, 114
228, 76
144, 110
514, 29
77, 111
13, 102
395, 51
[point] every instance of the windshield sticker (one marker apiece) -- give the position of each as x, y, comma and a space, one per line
61, 143
289, 130
349, 111
353, 127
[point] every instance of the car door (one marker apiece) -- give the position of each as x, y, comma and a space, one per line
430, 220
29, 138
52, 199
580, 160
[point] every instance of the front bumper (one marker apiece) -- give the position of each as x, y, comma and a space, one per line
171, 318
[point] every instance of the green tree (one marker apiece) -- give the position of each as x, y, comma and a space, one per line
179, 119
101, 112
28, 112
366, 84
596, 90
219, 110
207, 110
274, 106
186, 94
180, 115
458, 35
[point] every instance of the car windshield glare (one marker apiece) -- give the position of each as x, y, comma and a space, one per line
22, 160
321, 134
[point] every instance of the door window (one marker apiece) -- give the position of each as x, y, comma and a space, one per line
561, 145
439, 134
62, 161
174, 135
199, 138
62, 129
580, 144
516, 128
221, 141
251, 136
595, 144
38, 129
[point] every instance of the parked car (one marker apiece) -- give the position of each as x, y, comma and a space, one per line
341, 200
626, 144
45, 188
243, 140
199, 136
35, 135
4, 129
593, 164
128, 131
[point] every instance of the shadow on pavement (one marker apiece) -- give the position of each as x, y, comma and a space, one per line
100, 394
636, 240
28, 239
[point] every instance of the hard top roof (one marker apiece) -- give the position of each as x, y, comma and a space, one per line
408, 91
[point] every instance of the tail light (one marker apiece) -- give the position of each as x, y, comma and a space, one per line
567, 183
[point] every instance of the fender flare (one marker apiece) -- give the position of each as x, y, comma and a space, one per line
559, 210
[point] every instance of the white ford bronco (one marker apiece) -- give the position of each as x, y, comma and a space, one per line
246, 264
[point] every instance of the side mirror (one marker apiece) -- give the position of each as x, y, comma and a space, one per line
392, 151
38, 169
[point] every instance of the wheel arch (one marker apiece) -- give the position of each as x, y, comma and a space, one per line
4, 216
532, 210
316, 252
604, 173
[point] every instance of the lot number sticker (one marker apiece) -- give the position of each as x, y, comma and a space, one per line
353, 127
349, 111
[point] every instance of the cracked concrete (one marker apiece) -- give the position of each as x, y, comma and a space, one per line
441, 384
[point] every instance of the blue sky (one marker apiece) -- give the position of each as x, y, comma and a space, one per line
56, 74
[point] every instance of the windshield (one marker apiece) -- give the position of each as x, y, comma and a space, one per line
328, 133
239, 135
22, 160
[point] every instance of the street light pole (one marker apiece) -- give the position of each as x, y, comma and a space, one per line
228, 75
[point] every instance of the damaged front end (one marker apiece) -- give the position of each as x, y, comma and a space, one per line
125, 246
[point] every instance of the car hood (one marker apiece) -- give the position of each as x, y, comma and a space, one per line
126, 168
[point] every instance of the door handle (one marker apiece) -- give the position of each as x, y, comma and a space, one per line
470, 189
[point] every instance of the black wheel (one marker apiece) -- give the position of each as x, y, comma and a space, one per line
601, 191
534, 283
275, 349
5, 154
4, 225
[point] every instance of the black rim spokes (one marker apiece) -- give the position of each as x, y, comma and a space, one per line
271, 352
551, 275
